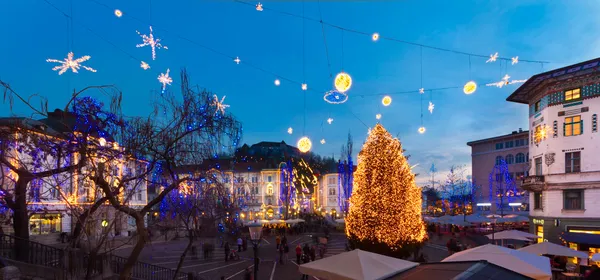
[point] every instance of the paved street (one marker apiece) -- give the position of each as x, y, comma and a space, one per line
168, 254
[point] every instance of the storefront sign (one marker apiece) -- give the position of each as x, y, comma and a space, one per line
538, 221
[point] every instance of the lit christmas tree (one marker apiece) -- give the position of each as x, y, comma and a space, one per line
385, 207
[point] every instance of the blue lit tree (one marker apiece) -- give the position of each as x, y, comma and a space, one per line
502, 187
345, 176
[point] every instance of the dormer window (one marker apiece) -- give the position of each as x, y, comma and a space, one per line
537, 106
573, 94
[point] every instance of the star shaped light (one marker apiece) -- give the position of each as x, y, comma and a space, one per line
492, 58
421, 90
219, 104
515, 60
149, 40
165, 79
329, 120
70, 63
378, 116
259, 7
237, 60
290, 130
144, 65
304, 86
322, 141
430, 108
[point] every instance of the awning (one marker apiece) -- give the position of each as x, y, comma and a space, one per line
582, 238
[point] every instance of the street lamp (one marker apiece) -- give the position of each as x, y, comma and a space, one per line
255, 230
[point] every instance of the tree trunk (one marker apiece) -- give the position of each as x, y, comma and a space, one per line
82, 219
137, 249
21, 221
182, 258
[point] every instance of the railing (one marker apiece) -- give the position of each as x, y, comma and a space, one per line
23, 250
533, 180
144, 270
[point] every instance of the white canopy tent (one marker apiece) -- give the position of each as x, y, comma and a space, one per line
276, 222
596, 257
356, 265
340, 221
534, 266
547, 248
512, 234
294, 221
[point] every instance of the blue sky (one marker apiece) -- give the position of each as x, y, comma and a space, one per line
562, 32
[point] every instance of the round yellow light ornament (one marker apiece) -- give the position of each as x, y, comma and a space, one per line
422, 129
304, 144
470, 87
386, 101
342, 82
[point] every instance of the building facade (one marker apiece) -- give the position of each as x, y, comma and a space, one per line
499, 165
564, 145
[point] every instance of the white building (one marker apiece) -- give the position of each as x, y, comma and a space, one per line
564, 149
328, 196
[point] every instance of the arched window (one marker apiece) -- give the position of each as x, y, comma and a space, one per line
520, 158
498, 160
510, 159
331, 191
270, 189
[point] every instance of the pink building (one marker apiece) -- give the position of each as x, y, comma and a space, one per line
499, 165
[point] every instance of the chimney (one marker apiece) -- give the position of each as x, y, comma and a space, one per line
520, 129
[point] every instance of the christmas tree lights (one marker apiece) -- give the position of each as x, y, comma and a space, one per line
385, 207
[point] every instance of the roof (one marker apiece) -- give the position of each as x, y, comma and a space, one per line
513, 134
524, 93
479, 270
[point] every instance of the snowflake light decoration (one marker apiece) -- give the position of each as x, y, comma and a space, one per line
219, 104
259, 7
378, 116
430, 108
144, 65
165, 79
70, 63
329, 120
515, 60
505, 81
290, 130
237, 60
304, 86
323, 141
492, 58
421, 90
150, 40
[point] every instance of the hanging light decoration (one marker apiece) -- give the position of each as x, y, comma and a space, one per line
342, 82
290, 130
304, 144
386, 101
422, 129
323, 141
304, 86
375, 36
470, 87
335, 97
118, 13
378, 116
277, 82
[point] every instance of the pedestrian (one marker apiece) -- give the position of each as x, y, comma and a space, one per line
281, 254
306, 249
245, 244
227, 250
284, 240
298, 253
240, 242
248, 274
278, 241
313, 253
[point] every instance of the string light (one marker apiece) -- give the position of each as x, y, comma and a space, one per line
515, 60
259, 7
470, 87
386, 101
164, 79
220, 105
342, 82
277, 82
150, 40
430, 108
70, 63
505, 81
304, 144
421, 90
335, 97
145, 65
118, 13
378, 116
304, 86
492, 58
376, 205
290, 130
322, 141
422, 129
329, 120
237, 60
375, 36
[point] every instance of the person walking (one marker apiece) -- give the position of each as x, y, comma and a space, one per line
284, 241
281, 254
306, 250
298, 253
278, 241
313, 253
227, 251
240, 242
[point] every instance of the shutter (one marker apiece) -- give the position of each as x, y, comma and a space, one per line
555, 129
581, 128
594, 123
564, 129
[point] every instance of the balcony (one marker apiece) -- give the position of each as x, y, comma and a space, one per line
533, 183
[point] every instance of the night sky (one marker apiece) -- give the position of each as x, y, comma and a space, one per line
204, 37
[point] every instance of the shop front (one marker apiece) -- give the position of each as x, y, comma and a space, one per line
45, 224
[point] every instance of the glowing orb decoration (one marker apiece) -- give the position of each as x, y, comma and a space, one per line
304, 87
378, 116
422, 129
335, 97
102, 141
386, 101
470, 87
342, 82
375, 37
290, 130
323, 141
304, 144
118, 13
277, 82
329, 120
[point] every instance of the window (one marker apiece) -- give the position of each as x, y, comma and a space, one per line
520, 142
537, 106
511, 176
499, 146
270, 190
520, 158
45, 223
509, 144
226, 179
537, 200
254, 179
269, 179
139, 196
269, 203
573, 200
499, 160
538, 166
331, 191
331, 180
240, 179
573, 94
540, 233
510, 159
573, 126
572, 162
498, 178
